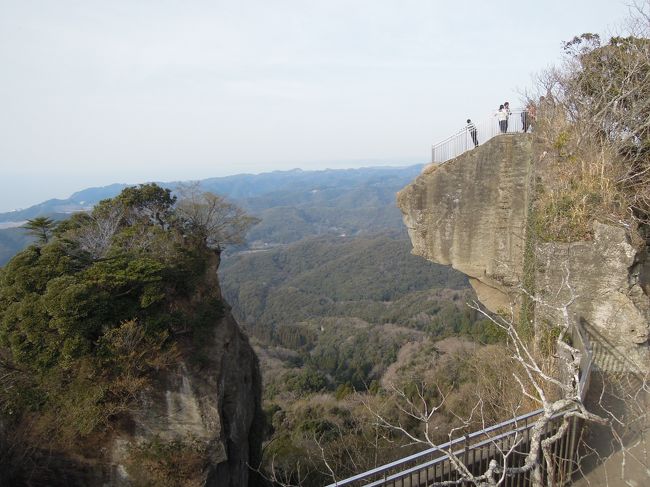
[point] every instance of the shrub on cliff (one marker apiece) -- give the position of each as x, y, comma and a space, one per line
88, 318
593, 125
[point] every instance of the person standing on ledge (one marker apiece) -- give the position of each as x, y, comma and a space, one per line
506, 107
502, 117
471, 128
528, 116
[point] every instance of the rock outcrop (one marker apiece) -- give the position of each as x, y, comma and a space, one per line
473, 212
470, 213
604, 288
211, 402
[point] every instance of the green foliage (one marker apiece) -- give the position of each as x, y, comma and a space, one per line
347, 305
372, 278
526, 320
547, 338
148, 202
344, 390
40, 227
88, 317
306, 380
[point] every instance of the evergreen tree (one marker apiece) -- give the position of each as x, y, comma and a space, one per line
40, 227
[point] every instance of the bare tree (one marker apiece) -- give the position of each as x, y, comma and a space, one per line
210, 218
557, 392
96, 235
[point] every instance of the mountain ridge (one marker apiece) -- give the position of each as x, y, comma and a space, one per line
237, 186
291, 204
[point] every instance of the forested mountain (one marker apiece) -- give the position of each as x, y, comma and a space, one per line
329, 291
290, 204
369, 278
96, 326
79, 201
330, 300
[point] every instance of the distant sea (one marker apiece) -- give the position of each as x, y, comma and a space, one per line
4, 225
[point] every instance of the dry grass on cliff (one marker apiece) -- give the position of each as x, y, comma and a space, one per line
593, 131
577, 182
168, 463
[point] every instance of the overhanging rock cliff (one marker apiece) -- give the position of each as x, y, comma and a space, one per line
473, 213
470, 213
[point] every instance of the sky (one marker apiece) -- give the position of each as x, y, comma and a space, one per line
99, 92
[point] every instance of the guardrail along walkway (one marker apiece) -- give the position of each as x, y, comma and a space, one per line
478, 133
476, 449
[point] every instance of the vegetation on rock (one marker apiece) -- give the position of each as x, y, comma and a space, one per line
593, 127
89, 317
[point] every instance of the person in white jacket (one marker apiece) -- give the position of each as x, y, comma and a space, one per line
502, 117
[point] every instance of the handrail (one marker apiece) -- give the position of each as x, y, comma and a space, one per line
585, 372
440, 448
462, 141
444, 456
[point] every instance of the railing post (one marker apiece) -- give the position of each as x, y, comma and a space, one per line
466, 459
573, 447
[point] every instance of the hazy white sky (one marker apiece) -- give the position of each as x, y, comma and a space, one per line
96, 92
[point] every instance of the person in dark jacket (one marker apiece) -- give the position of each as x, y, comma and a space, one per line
471, 128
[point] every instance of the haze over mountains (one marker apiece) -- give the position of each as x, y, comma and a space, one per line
291, 204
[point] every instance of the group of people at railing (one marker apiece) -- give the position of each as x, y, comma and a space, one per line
503, 114
528, 116
503, 121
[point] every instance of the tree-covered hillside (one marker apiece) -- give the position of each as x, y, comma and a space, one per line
94, 311
327, 287
364, 277
334, 300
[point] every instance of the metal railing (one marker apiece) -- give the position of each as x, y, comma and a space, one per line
476, 449
463, 140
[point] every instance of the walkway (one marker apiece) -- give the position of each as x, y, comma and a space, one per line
618, 390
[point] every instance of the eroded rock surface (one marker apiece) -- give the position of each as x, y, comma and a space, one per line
472, 213
598, 277
212, 400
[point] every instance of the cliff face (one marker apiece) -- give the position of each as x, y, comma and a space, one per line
473, 213
210, 403
606, 276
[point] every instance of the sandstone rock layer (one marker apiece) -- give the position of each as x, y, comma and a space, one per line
472, 213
